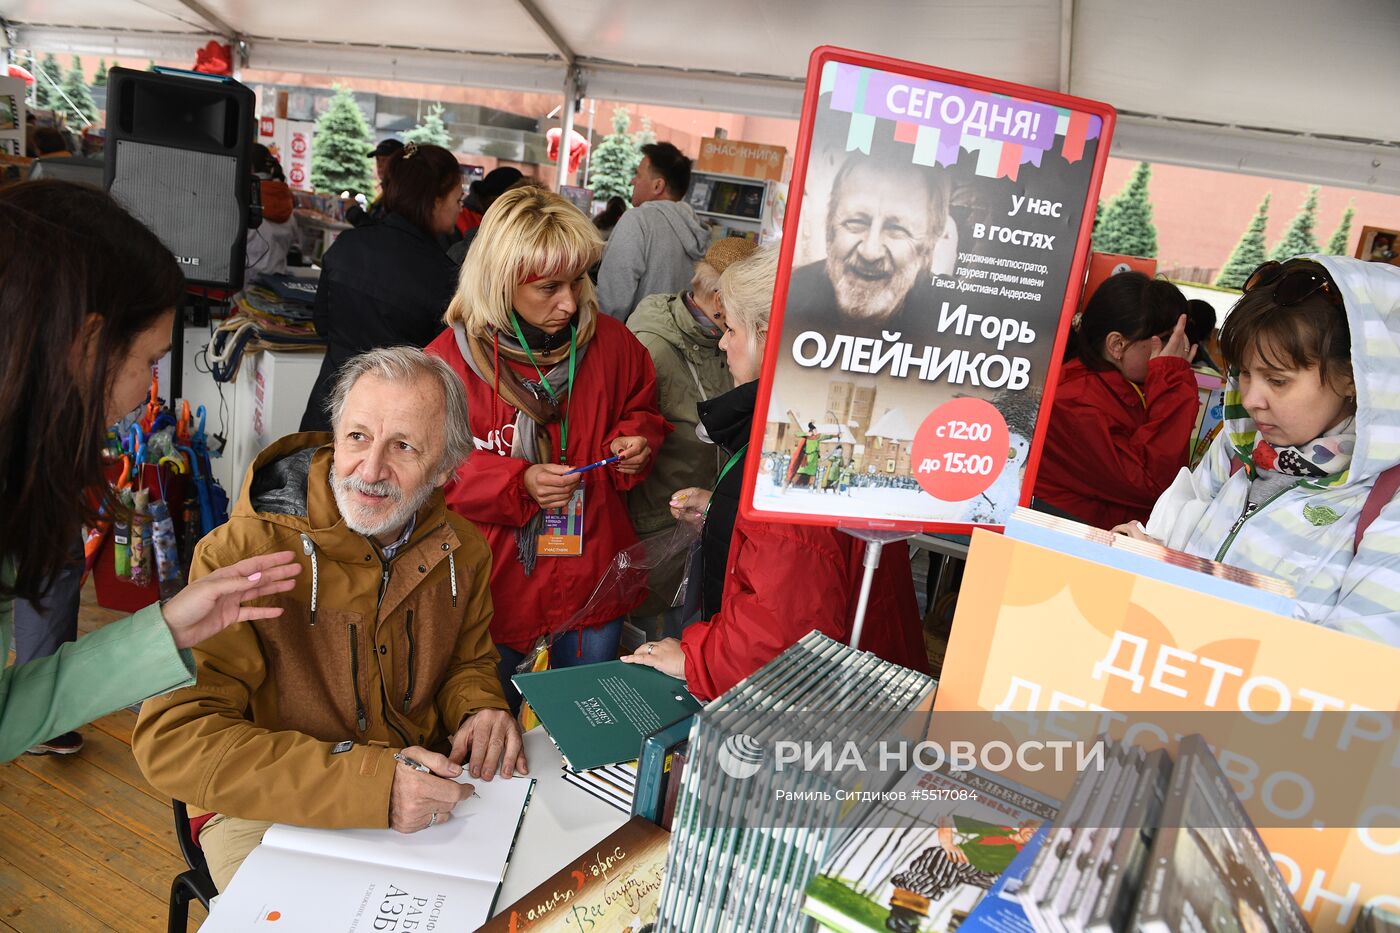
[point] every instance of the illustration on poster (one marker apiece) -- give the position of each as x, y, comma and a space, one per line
937, 229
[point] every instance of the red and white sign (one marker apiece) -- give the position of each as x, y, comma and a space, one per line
298, 160
960, 448
916, 334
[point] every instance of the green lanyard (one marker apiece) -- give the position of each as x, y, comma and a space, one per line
729, 466
573, 346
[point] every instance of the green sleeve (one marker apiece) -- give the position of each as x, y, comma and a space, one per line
117, 665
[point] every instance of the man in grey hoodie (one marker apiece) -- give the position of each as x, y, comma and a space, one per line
654, 248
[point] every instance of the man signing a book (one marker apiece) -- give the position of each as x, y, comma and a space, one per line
383, 646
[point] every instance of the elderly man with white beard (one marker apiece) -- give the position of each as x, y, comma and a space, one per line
383, 646
884, 222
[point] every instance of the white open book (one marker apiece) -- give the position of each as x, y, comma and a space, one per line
445, 877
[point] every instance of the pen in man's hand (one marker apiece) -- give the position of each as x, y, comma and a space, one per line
592, 466
415, 765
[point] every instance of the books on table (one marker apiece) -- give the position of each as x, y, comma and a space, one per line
1151, 559
1208, 868
612, 886
748, 838
615, 785
598, 714
1142, 845
444, 877
922, 868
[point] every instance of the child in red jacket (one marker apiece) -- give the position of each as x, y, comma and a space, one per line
1123, 413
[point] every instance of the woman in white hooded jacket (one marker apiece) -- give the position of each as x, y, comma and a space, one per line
1312, 422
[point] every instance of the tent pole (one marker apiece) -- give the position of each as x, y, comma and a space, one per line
1066, 44
566, 125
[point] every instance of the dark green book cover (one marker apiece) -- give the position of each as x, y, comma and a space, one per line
598, 714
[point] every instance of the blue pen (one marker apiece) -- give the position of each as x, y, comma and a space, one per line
592, 466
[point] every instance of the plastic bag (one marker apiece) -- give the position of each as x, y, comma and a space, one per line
625, 580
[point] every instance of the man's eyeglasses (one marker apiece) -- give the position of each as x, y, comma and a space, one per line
1294, 281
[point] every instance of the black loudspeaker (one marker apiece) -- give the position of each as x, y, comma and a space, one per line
178, 151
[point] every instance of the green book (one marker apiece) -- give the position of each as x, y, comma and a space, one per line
598, 714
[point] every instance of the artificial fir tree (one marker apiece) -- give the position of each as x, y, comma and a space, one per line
615, 160
76, 103
1249, 252
38, 98
100, 78
1126, 227
340, 148
1337, 246
1298, 239
47, 81
430, 131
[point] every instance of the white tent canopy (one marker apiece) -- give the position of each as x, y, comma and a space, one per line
1290, 88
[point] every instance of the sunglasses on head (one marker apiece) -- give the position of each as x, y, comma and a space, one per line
1294, 281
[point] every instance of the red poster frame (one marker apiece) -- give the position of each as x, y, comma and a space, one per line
820, 57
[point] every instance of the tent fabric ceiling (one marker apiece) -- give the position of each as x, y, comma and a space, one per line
1317, 76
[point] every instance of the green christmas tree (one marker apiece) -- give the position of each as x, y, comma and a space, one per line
615, 160
1337, 246
646, 135
77, 103
1298, 238
1126, 226
100, 78
47, 80
1249, 252
340, 147
430, 131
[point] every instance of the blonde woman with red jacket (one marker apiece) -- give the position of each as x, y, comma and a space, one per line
552, 385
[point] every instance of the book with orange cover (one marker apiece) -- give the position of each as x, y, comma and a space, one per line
613, 885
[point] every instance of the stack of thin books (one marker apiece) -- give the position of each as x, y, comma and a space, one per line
748, 837
1148, 846
1377, 919
615, 785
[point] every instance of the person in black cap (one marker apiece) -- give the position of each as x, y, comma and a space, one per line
480, 197
358, 216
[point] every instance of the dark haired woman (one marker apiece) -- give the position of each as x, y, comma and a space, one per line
1301, 483
1121, 422
88, 297
388, 283
609, 216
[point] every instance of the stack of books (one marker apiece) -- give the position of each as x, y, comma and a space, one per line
1143, 845
1152, 559
925, 859
1376, 919
615, 785
610, 886
748, 837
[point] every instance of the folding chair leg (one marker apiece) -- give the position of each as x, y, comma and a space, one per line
181, 893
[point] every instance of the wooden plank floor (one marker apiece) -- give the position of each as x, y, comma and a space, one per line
85, 842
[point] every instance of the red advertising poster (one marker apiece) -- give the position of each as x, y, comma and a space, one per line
1103, 265
935, 242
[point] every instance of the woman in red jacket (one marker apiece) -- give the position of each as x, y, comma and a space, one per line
781, 581
551, 385
1121, 422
